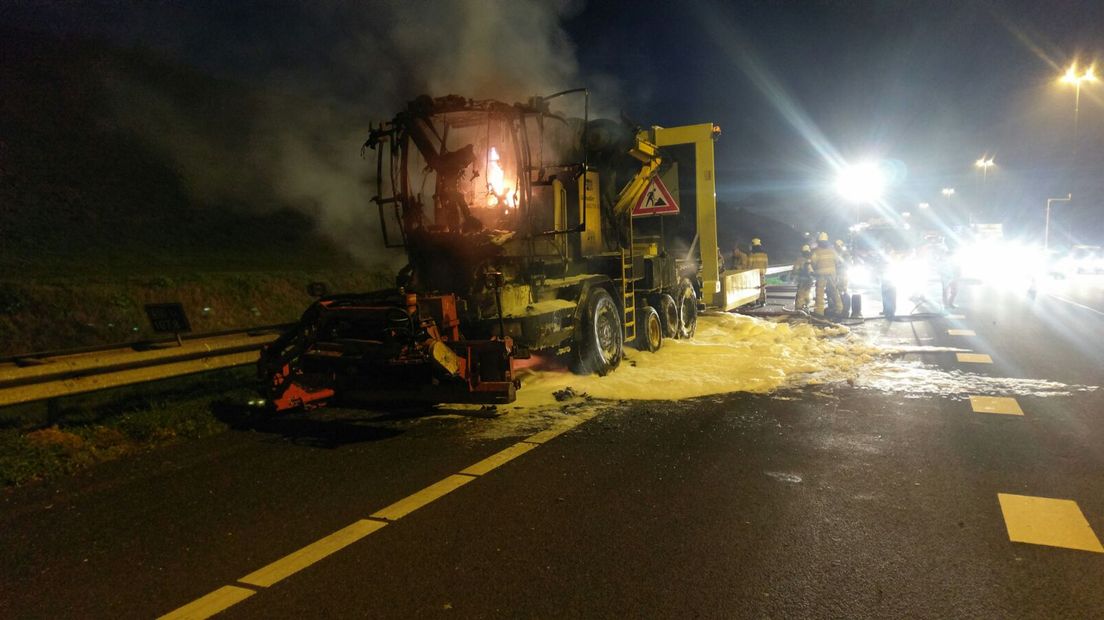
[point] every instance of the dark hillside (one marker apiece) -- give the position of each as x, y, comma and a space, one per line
128, 179
82, 189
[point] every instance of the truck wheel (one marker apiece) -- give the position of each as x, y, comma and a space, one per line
649, 336
668, 315
599, 343
687, 303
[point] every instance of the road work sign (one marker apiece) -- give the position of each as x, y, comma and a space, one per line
655, 200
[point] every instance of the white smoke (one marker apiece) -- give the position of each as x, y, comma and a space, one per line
351, 64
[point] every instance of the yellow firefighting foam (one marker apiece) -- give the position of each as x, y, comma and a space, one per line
729, 353
736, 353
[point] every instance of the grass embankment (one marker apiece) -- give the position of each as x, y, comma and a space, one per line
61, 313
127, 179
73, 434
41, 441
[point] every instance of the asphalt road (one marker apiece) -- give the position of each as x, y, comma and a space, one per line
830, 501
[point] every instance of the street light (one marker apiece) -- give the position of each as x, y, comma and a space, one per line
1046, 233
924, 205
948, 192
1071, 77
985, 165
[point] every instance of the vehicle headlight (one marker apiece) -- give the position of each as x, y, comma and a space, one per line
861, 276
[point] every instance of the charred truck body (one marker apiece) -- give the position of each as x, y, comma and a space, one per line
528, 244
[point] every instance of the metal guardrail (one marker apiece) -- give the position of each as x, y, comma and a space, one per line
51, 374
43, 376
138, 345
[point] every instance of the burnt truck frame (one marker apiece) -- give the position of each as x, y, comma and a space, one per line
525, 245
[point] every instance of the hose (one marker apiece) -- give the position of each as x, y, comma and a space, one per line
784, 312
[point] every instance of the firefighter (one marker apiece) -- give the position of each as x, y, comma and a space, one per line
843, 261
824, 268
739, 258
949, 274
803, 273
758, 260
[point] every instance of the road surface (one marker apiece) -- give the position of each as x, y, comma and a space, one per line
879, 499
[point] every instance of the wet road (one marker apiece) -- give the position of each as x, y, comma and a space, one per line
829, 501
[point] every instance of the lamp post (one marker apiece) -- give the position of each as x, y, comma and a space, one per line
1046, 230
1071, 77
984, 163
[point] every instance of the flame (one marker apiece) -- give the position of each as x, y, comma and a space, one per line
497, 190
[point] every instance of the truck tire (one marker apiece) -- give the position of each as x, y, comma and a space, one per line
599, 343
649, 335
687, 303
668, 315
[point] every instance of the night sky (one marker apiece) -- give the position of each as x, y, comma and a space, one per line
798, 87
930, 85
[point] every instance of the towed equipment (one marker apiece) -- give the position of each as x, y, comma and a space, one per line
544, 235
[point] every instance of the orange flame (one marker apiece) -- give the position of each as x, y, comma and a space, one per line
497, 190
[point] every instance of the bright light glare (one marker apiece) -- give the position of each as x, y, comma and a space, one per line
991, 261
910, 275
862, 182
1071, 76
861, 277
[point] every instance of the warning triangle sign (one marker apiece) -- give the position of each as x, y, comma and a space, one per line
655, 200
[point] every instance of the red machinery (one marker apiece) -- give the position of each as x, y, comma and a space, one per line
386, 346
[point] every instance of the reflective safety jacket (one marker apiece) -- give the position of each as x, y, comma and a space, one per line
824, 261
843, 260
739, 259
803, 269
758, 260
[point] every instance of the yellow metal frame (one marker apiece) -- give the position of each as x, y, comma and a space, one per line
702, 137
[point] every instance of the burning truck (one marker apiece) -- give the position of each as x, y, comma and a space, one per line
527, 232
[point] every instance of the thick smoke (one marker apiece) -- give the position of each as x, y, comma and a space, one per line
312, 79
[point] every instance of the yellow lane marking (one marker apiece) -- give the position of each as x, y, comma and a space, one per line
995, 404
974, 358
552, 433
960, 332
547, 435
298, 560
498, 459
1046, 521
211, 604
226, 596
413, 502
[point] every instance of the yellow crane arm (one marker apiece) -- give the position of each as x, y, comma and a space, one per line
632, 190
